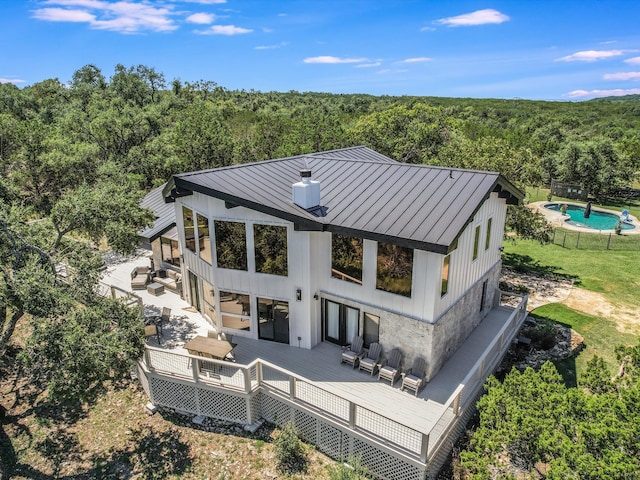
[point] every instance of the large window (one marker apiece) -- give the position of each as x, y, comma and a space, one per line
476, 241
235, 310
189, 229
273, 320
170, 251
270, 243
209, 297
231, 245
346, 258
444, 286
395, 269
487, 240
204, 240
371, 329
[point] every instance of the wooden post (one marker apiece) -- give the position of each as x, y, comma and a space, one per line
247, 379
259, 373
424, 448
292, 387
456, 404
195, 363
352, 415
578, 241
609, 242
147, 358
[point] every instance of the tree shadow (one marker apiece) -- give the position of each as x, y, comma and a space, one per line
526, 264
153, 455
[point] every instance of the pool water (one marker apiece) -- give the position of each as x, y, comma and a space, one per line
597, 220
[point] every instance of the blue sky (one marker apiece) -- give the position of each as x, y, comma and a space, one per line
547, 50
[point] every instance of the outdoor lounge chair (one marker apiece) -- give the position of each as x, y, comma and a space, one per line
352, 354
369, 362
140, 277
390, 368
414, 378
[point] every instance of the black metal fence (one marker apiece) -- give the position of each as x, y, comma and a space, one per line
595, 241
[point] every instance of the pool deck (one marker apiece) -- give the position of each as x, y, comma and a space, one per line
558, 220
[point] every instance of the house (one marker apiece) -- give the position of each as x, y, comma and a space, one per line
325, 246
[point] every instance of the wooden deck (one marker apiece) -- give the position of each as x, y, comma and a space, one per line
324, 383
321, 365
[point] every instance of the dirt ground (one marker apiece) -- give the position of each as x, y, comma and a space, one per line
543, 290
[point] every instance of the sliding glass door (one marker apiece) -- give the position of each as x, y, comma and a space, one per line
341, 322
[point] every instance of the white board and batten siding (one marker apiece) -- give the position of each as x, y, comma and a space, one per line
250, 282
463, 270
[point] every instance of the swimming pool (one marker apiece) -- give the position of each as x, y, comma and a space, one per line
598, 220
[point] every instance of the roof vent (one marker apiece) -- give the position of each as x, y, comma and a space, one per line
306, 193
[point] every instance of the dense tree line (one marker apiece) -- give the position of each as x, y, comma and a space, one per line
533, 426
55, 136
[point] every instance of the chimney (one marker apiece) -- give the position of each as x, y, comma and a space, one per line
306, 193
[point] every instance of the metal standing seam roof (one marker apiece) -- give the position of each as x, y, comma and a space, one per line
363, 193
165, 214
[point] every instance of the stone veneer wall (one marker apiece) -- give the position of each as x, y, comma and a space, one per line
453, 327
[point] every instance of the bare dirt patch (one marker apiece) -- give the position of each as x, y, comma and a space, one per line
626, 319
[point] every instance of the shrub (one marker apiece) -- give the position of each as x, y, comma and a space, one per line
290, 451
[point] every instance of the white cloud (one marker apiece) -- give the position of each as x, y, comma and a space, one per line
416, 60
590, 55
369, 65
272, 47
330, 59
11, 80
602, 93
479, 17
633, 61
201, 18
62, 15
224, 30
124, 16
427, 29
622, 76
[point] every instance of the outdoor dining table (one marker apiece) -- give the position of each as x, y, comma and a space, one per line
208, 347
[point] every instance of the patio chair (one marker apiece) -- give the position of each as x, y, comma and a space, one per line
352, 354
150, 331
228, 338
414, 378
390, 368
369, 362
163, 318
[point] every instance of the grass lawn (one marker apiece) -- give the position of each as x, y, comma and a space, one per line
614, 274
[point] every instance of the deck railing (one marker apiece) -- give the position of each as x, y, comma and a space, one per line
261, 374
469, 388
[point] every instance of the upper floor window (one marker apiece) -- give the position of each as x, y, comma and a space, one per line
476, 240
189, 229
204, 239
231, 244
444, 286
346, 258
395, 269
170, 251
487, 240
270, 243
